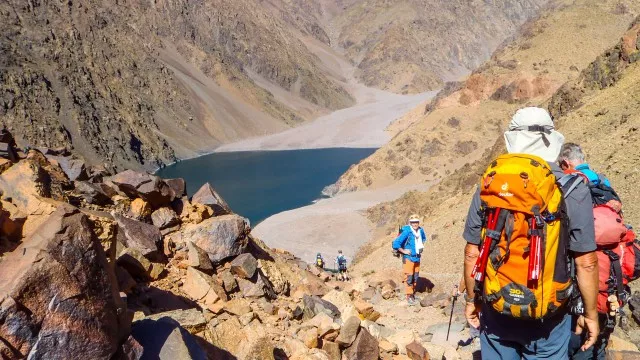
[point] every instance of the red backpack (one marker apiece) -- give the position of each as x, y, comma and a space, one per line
618, 250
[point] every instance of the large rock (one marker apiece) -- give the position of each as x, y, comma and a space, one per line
164, 217
141, 236
415, 351
622, 355
208, 196
332, 349
191, 320
200, 286
178, 186
365, 347
59, 294
164, 339
221, 237
237, 307
228, 281
140, 209
139, 266
244, 265
75, 169
199, 259
91, 193
349, 331
257, 287
149, 187
314, 305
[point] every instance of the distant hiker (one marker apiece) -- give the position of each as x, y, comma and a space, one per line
526, 226
319, 261
341, 260
410, 243
617, 252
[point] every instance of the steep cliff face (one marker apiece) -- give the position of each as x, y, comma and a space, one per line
411, 46
139, 84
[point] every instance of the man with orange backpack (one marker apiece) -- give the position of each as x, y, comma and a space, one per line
527, 225
617, 251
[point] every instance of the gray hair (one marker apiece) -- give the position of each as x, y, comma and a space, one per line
571, 152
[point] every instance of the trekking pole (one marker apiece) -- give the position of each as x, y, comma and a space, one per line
481, 264
453, 305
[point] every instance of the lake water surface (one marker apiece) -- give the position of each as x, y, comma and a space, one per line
258, 184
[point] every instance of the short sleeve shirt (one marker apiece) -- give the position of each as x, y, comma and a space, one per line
582, 236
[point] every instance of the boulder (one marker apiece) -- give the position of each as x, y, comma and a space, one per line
221, 237
237, 307
271, 271
138, 266
191, 213
140, 236
256, 288
388, 292
387, 348
228, 281
164, 217
364, 347
244, 265
140, 209
339, 298
57, 277
349, 331
313, 305
332, 349
178, 185
402, 338
164, 339
75, 169
206, 195
146, 186
229, 336
618, 344
129, 350
198, 258
91, 193
365, 309
415, 351
200, 286
309, 337
191, 320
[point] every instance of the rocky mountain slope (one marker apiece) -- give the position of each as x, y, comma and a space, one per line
463, 121
138, 84
411, 46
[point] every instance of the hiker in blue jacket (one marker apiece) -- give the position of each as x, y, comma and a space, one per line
410, 243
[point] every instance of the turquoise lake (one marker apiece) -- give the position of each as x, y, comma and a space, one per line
258, 184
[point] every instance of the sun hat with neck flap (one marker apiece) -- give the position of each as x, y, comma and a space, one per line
531, 131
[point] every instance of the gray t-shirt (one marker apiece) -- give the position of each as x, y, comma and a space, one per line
582, 237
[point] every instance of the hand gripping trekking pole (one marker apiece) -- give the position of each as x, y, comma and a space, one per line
453, 305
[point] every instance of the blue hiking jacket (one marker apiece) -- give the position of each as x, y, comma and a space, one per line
406, 240
592, 175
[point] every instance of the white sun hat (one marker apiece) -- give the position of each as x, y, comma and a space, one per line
531, 131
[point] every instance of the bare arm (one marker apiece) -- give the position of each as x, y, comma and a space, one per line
471, 253
587, 273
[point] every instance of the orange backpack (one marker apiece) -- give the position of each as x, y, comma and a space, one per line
523, 269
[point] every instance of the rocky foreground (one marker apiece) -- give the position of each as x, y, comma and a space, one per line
126, 266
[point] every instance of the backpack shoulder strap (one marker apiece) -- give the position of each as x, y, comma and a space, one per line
569, 182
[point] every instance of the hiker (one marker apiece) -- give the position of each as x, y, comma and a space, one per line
615, 248
341, 260
524, 229
319, 261
410, 243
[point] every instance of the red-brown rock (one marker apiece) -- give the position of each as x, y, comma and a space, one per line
59, 299
415, 351
365, 347
141, 236
221, 237
149, 187
244, 265
208, 196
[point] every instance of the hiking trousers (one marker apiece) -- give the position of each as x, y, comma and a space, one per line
411, 272
506, 338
